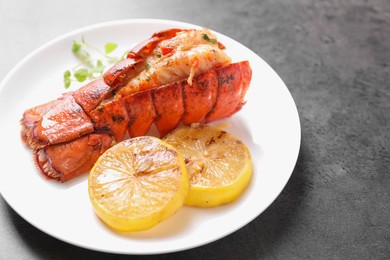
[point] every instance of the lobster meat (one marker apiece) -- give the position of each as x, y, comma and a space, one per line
176, 76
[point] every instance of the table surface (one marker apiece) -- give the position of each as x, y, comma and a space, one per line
335, 59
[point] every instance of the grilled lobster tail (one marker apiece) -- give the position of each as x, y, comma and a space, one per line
68, 134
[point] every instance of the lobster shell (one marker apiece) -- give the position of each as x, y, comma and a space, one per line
67, 135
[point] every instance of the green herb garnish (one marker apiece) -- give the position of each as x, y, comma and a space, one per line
90, 67
67, 79
110, 47
207, 38
81, 74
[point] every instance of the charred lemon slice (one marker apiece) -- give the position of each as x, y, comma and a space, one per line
219, 164
138, 183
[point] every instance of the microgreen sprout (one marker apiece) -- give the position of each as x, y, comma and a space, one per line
92, 61
207, 38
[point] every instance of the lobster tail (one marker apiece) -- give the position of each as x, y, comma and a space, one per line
191, 83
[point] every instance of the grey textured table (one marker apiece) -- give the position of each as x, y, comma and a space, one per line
334, 56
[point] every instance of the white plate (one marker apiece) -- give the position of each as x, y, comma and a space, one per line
268, 124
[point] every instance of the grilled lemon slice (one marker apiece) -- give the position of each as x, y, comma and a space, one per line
219, 164
138, 183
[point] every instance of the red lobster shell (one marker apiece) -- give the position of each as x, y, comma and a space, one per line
67, 135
